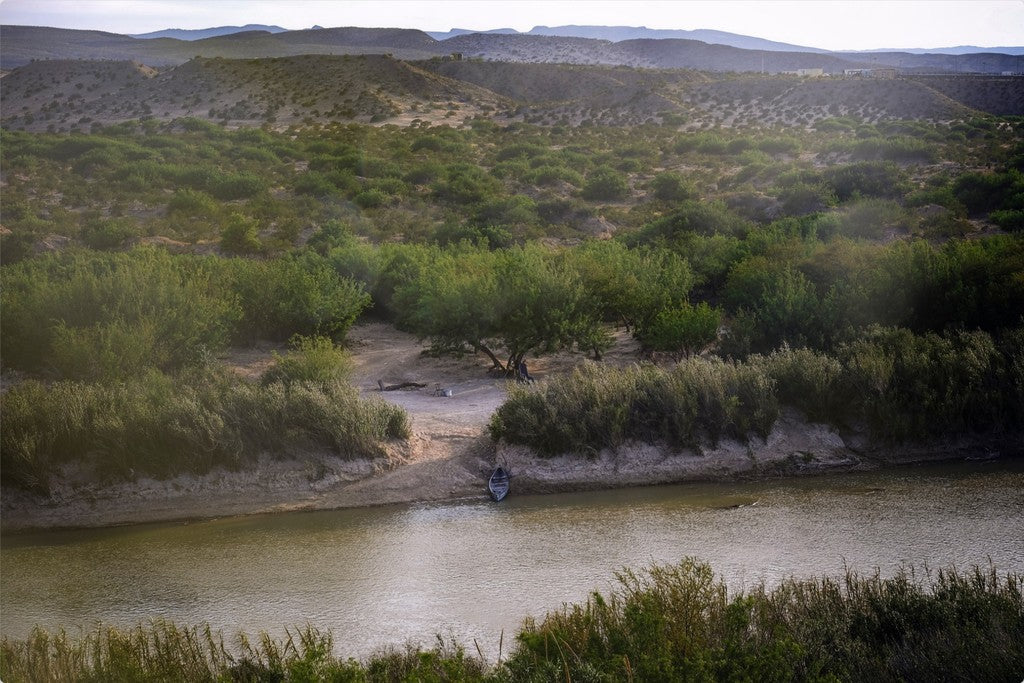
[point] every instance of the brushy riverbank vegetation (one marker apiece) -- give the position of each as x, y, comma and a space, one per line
127, 341
889, 253
902, 386
161, 425
666, 623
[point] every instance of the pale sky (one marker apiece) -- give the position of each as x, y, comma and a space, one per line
834, 25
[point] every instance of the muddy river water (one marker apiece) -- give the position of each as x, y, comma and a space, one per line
474, 569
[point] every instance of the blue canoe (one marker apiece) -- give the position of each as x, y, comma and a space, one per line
498, 484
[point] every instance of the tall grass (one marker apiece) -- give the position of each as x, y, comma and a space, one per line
675, 623
901, 386
598, 407
664, 623
163, 425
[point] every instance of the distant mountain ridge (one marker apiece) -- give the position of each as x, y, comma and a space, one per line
20, 45
200, 33
617, 34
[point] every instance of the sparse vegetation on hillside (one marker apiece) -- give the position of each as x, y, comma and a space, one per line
512, 239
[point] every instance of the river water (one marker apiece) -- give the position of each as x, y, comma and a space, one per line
474, 569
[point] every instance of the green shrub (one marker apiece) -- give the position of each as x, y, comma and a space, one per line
808, 380
240, 235
674, 622
161, 426
314, 183
84, 310
296, 294
605, 184
677, 622
685, 330
312, 360
671, 187
109, 233
696, 402
189, 202
913, 387
371, 199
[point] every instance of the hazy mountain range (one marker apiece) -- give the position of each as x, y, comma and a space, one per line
585, 45
609, 33
200, 33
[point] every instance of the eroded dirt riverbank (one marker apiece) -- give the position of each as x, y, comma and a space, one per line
450, 453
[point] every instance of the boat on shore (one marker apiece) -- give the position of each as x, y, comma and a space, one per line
498, 483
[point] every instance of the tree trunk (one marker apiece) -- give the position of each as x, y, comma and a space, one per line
490, 354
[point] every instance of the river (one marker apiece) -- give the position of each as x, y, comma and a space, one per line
474, 569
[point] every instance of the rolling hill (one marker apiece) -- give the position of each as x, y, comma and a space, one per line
62, 95
21, 44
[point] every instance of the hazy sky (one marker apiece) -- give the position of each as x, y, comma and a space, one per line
837, 24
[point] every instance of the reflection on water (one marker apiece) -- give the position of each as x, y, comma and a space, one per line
386, 575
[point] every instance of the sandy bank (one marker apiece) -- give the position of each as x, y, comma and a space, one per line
455, 466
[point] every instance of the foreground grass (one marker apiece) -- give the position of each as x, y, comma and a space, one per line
667, 623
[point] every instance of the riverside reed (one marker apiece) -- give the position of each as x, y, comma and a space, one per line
161, 425
901, 385
665, 623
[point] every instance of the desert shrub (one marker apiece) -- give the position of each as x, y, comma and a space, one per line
189, 202
551, 174
671, 187
866, 179
910, 387
493, 236
1011, 220
985, 192
312, 360
240, 235
515, 210
371, 199
902, 149
464, 183
605, 184
296, 294
520, 149
701, 218
698, 401
872, 218
314, 183
424, 173
237, 186
803, 198
711, 144
159, 425
779, 145
107, 233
